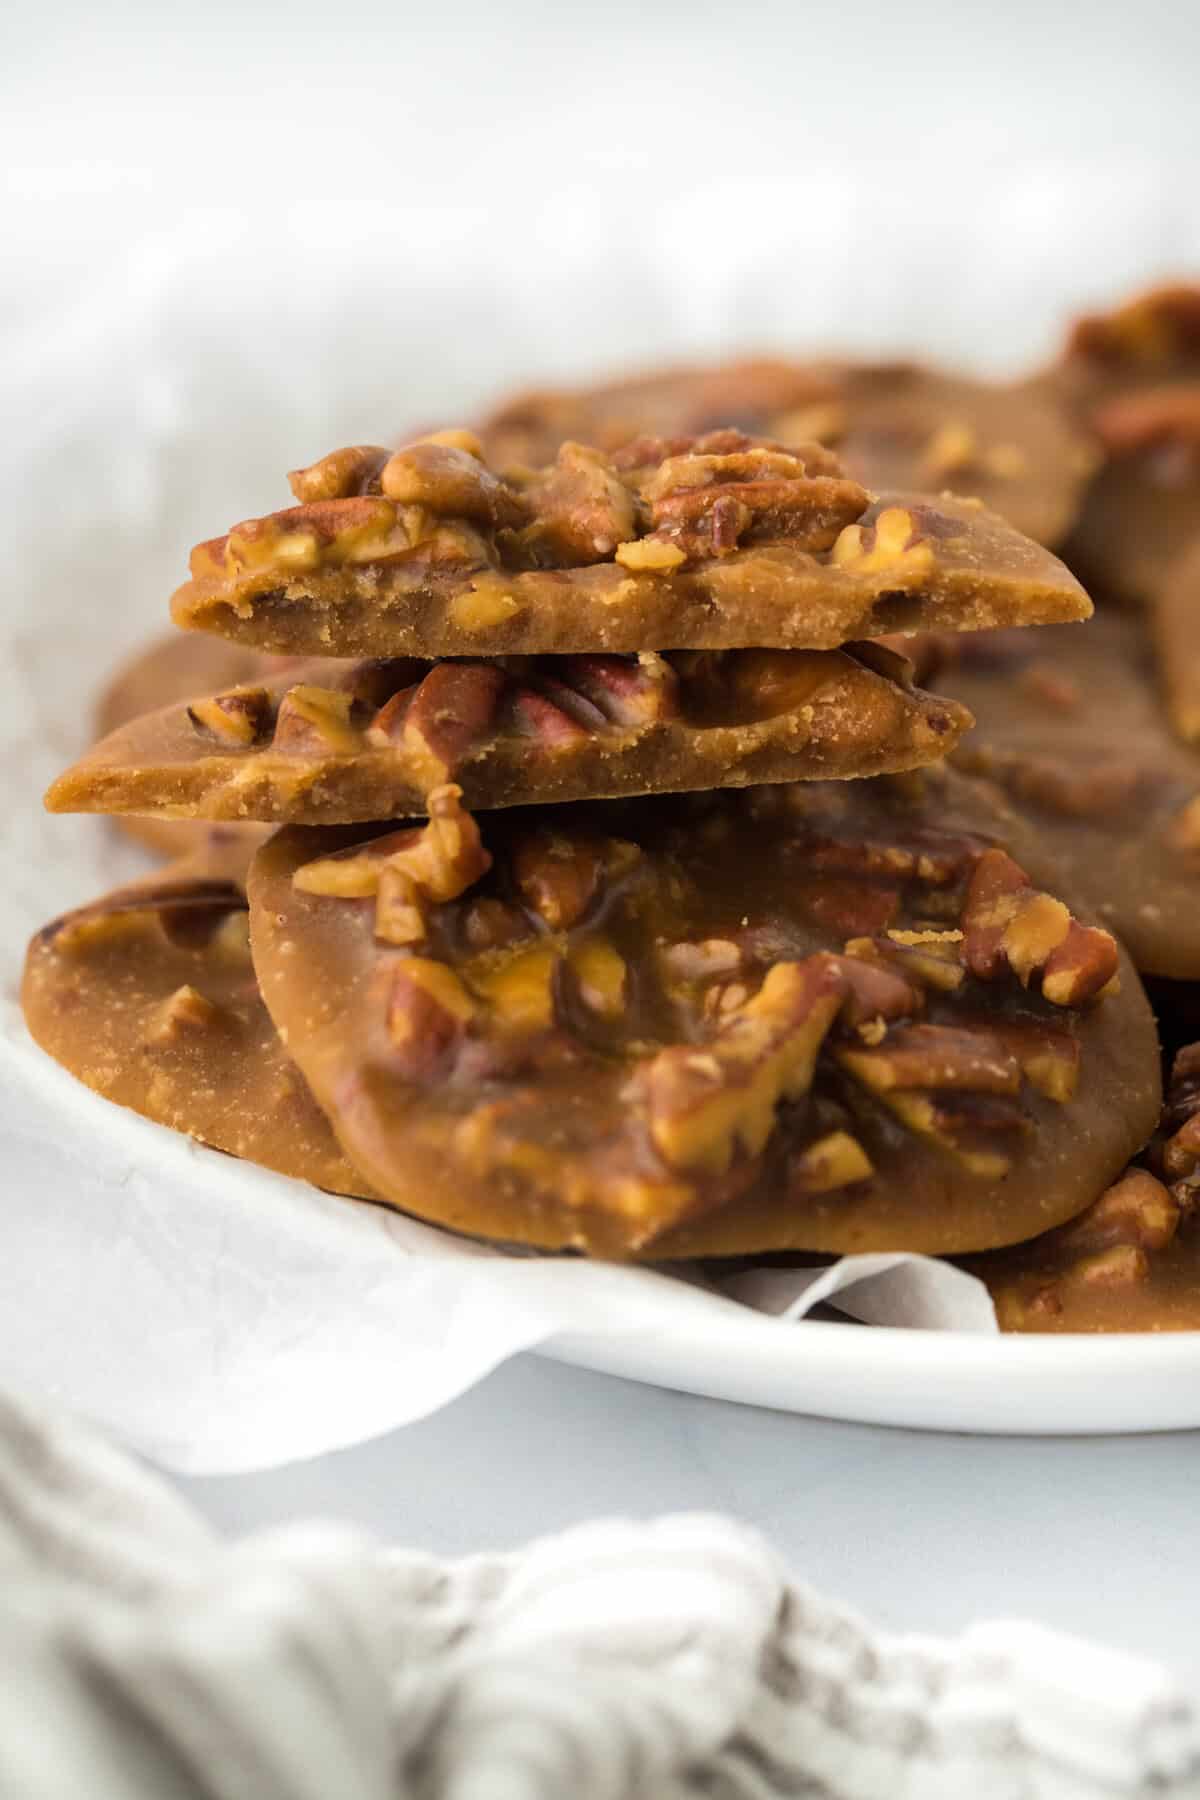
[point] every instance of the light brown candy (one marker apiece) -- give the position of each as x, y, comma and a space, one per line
653, 1028
1131, 1261
1142, 510
1144, 341
169, 670
370, 741
708, 542
1131, 378
894, 426
149, 997
1175, 628
1072, 723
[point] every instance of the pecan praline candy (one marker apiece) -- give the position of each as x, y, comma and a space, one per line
1073, 725
1131, 378
149, 997
711, 542
169, 669
829, 1016
1131, 1262
893, 425
333, 742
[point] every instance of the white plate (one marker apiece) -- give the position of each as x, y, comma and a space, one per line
221, 1318
934, 1381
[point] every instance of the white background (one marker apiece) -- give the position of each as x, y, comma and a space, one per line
233, 236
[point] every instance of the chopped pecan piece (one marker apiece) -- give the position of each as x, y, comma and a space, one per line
649, 556
601, 975
559, 877
959, 1124
932, 958
451, 483
428, 1014
1008, 924
519, 988
709, 495
536, 715
1136, 1210
491, 924
183, 1014
1084, 965
723, 997
874, 992
699, 959
240, 717
835, 1161
354, 470
705, 1104
446, 717
360, 529
893, 543
316, 719
1121, 1266
435, 862
935, 865
627, 690
1175, 1153
582, 509
1048, 1055
935, 1057
399, 915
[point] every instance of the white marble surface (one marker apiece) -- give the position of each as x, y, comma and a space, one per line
920, 1531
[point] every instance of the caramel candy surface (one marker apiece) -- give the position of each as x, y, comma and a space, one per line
1131, 1261
814, 1016
334, 743
171, 669
1175, 631
1072, 723
1131, 378
894, 426
149, 997
709, 542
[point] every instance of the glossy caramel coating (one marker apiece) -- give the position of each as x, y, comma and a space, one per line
815, 1016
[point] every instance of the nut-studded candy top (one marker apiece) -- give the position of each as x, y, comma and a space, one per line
333, 742
894, 425
1157, 333
826, 1015
1131, 1262
1072, 724
1132, 378
706, 542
